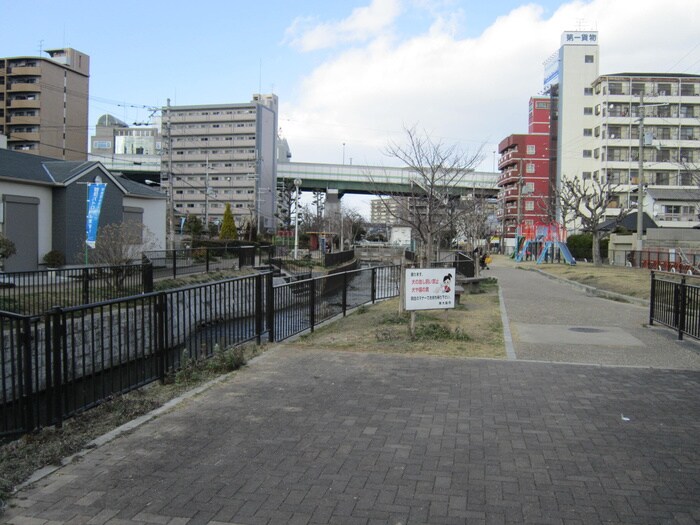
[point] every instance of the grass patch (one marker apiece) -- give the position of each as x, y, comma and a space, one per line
472, 329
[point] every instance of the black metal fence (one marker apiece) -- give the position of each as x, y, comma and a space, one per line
69, 359
675, 302
462, 262
34, 292
676, 261
186, 261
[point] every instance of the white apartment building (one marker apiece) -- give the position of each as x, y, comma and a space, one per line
569, 75
670, 106
222, 153
596, 123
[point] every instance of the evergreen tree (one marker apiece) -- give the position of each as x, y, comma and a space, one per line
228, 225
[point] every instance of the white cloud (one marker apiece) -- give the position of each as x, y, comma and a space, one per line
362, 24
472, 91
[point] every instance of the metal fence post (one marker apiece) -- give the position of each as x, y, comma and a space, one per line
147, 277
28, 389
652, 296
312, 303
86, 286
206, 258
270, 303
681, 308
161, 354
374, 285
345, 292
258, 308
174, 252
56, 316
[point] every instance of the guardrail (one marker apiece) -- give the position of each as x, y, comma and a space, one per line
675, 302
70, 359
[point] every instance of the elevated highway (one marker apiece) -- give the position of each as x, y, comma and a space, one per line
345, 178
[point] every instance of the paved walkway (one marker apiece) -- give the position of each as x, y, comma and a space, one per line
305, 436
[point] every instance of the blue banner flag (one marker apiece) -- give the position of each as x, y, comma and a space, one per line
96, 192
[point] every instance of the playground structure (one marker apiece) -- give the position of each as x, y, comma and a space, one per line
543, 242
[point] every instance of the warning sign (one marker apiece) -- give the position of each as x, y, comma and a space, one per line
430, 288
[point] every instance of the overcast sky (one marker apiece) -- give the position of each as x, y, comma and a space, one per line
350, 71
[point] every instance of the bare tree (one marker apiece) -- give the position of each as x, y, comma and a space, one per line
586, 203
435, 172
472, 224
119, 245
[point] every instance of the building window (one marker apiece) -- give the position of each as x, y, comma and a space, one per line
586, 175
542, 105
530, 167
587, 154
588, 59
588, 111
530, 149
529, 205
637, 88
588, 91
587, 132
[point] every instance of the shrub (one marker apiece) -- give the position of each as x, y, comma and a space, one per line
54, 259
581, 245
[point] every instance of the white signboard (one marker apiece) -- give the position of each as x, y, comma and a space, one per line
429, 288
579, 38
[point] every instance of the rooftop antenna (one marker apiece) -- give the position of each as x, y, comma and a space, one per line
41, 47
260, 77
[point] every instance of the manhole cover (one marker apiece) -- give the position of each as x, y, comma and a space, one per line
586, 330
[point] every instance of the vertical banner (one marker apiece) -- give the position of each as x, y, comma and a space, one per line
96, 192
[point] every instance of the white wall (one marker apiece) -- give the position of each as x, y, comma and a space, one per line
154, 217
44, 195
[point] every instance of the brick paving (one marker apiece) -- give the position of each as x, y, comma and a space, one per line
313, 436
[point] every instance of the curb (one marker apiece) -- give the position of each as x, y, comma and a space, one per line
591, 290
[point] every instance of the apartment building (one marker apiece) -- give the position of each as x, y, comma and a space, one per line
524, 182
384, 211
665, 108
222, 153
595, 131
134, 151
44, 104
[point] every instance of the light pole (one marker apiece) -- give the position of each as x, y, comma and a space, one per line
297, 183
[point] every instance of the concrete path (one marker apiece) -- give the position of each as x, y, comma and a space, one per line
316, 436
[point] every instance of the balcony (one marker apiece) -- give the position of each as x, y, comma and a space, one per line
32, 104
24, 70
21, 87
23, 137
15, 120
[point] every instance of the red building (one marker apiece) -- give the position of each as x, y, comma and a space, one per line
524, 188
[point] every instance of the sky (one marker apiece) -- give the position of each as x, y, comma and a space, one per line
351, 75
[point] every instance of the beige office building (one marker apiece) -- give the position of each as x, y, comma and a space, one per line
219, 154
44, 104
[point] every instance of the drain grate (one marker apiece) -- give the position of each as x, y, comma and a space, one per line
586, 330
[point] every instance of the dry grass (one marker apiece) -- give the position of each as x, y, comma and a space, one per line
635, 282
472, 329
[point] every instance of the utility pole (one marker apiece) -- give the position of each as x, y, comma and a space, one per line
640, 177
171, 192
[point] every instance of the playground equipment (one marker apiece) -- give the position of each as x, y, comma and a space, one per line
543, 241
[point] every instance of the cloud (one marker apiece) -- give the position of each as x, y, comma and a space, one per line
306, 34
471, 91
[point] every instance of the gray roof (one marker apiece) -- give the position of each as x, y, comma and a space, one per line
140, 190
669, 194
34, 169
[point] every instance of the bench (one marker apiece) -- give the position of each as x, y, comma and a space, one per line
470, 284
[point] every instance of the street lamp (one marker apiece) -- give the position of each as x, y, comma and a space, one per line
297, 183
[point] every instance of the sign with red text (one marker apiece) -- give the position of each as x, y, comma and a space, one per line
429, 288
